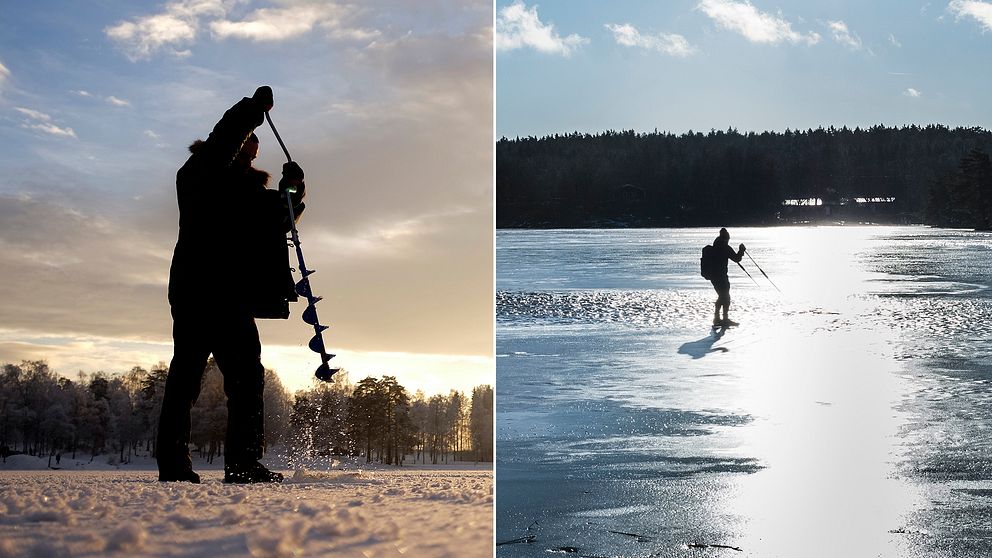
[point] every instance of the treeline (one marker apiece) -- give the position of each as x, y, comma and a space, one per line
45, 414
964, 198
723, 177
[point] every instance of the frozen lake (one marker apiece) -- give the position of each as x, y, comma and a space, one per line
848, 415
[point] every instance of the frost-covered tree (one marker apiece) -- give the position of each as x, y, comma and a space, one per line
481, 422
278, 406
209, 414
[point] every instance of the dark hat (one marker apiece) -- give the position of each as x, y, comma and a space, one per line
724, 233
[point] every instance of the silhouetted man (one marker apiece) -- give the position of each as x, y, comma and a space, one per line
721, 282
230, 265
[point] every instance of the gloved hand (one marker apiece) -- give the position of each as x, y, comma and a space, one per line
292, 180
263, 96
292, 171
742, 248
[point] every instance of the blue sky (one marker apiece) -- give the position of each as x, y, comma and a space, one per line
588, 66
387, 105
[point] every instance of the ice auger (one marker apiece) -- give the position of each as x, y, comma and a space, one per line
324, 371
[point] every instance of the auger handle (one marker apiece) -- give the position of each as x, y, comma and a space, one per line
278, 138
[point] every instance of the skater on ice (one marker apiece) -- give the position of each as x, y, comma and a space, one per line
230, 266
714, 267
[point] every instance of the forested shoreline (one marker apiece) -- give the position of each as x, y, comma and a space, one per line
933, 174
43, 413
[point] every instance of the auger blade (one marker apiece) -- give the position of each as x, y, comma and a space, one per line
325, 373
303, 288
317, 344
308, 272
310, 315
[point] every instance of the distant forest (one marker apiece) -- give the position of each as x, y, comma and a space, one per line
45, 414
933, 174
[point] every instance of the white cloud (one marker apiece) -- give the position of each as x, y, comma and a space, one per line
42, 122
118, 102
34, 114
843, 35
756, 26
518, 26
49, 128
82, 92
895, 42
151, 134
980, 11
4, 73
177, 25
277, 24
910, 92
669, 43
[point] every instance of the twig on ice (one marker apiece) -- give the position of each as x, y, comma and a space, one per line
640, 538
528, 539
702, 545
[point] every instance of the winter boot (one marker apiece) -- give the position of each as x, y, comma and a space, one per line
178, 475
248, 473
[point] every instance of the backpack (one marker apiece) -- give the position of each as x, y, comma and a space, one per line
708, 262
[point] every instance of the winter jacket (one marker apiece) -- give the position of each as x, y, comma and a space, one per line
724, 253
232, 252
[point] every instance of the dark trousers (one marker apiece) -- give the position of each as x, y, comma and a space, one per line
232, 337
722, 287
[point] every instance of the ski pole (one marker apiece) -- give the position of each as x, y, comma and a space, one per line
762, 271
748, 274
324, 371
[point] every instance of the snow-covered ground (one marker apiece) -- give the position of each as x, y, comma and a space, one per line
94, 509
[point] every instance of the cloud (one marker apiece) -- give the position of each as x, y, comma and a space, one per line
278, 24
37, 120
669, 43
52, 129
895, 42
4, 73
71, 271
34, 114
980, 11
178, 25
518, 26
151, 134
843, 35
116, 101
912, 92
756, 26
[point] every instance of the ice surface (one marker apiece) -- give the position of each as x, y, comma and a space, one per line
848, 415
382, 512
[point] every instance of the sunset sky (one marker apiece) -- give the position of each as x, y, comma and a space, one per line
679, 65
387, 105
